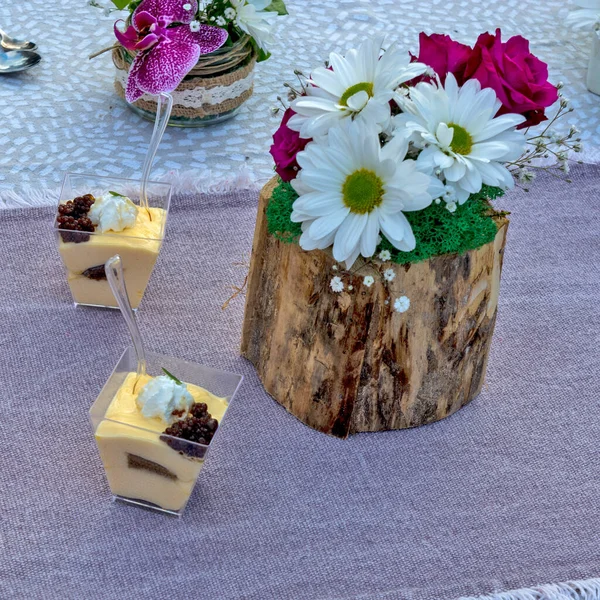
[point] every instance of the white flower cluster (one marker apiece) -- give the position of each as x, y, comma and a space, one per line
250, 17
401, 304
367, 165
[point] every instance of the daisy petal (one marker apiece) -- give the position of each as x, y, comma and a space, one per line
498, 125
348, 235
325, 226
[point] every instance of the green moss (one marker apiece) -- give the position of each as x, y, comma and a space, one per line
437, 230
279, 211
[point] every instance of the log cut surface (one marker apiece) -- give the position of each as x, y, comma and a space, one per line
348, 362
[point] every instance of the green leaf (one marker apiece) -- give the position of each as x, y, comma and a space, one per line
171, 376
116, 194
121, 4
277, 6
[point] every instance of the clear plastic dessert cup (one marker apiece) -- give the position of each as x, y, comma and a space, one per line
144, 466
84, 252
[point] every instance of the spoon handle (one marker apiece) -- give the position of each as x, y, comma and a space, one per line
116, 280
9, 43
164, 105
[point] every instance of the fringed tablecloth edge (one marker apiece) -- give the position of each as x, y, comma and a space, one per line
182, 181
588, 589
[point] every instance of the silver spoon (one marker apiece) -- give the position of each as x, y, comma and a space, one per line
18, 60
9, 43
114, 273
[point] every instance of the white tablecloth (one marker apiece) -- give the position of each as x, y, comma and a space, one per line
64, 115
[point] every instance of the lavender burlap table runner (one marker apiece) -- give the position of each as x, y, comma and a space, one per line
503, 495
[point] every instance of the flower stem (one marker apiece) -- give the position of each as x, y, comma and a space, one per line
114, 47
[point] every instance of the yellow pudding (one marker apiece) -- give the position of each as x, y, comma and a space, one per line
138, 247
138, 464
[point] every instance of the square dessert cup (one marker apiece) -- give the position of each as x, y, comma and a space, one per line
84, 253
146, 467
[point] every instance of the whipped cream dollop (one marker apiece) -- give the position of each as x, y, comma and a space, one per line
162, 396
113, 213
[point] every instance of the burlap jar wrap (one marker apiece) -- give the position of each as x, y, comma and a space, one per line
218, 84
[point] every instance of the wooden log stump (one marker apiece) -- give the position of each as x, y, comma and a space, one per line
349, 362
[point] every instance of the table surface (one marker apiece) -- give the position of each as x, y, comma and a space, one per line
65, 116
501, 495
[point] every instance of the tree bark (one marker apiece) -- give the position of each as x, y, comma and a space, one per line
348, 362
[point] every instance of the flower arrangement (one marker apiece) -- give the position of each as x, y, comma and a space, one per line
168, 36
374, 281
397, 155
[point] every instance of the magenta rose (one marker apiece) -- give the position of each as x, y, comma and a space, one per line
519, 79
443, 55
286, 145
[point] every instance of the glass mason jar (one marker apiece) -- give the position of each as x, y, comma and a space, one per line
213, 91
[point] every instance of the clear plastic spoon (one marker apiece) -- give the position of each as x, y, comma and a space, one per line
114, 273
164, 105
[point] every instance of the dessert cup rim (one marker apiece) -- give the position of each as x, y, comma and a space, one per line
154, 355
118, 234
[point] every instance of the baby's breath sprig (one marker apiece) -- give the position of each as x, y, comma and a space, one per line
546, 145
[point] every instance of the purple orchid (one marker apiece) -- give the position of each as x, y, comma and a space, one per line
167, 45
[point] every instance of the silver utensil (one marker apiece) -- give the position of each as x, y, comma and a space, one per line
9, 43
18, 60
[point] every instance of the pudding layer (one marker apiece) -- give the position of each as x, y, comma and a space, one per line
138, 247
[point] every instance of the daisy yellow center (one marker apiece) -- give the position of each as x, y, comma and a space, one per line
462, 142
362, 191
365, 86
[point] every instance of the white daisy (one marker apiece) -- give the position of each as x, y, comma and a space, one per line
586, 16
252, 19
358, 85
368, 281
401, 304
336, 284
384, 255
389, 274
463, 141
351, 189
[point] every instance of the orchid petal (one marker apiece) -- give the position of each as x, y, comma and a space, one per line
143, 20
133, 92
170, 10
146, 42
162, 68
208, 38
127, 38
